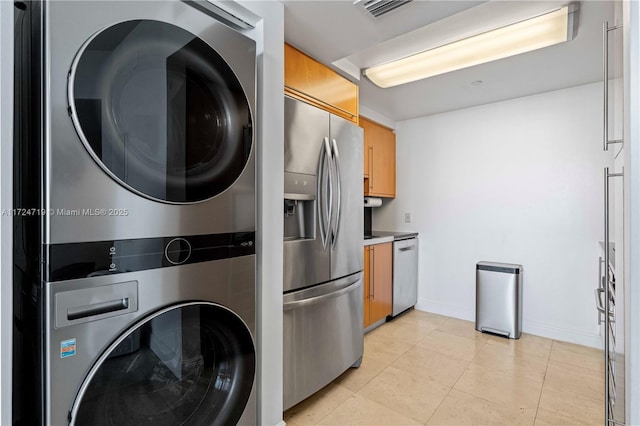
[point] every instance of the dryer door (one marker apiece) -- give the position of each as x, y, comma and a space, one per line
160, 111
190, 364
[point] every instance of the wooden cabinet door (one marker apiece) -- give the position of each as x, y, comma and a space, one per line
312, 82
381, 281
367, 280
384, 164
370, 134
379, 159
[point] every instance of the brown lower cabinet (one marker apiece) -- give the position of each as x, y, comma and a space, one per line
378, 282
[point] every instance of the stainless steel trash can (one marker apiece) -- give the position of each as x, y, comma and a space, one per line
499, 298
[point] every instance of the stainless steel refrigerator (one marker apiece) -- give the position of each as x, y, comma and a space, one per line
323, 249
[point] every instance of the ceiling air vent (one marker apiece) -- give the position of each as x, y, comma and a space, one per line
377, 8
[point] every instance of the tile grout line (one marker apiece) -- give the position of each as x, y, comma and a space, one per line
544, 381
374, 402
436, 409
456, 382
450, 388
387, 408
554, 342
495, 402
467, 367
353, 395
335, 408
412, 345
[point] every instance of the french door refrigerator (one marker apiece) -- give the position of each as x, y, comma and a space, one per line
323, 249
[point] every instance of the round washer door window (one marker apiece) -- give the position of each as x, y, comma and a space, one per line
160, 111
192, 364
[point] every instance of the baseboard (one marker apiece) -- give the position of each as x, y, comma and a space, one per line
282, 423
529, 327
562, 334
375, 325
445, 309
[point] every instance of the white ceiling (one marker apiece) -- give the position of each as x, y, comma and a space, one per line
337, 30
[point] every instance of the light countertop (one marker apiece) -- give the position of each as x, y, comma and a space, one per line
379, 237
378, 240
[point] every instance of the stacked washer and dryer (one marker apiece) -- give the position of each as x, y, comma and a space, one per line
135, 246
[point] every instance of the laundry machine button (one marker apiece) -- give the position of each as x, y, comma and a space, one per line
178, 251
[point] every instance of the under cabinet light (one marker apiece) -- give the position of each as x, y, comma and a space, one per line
520, 37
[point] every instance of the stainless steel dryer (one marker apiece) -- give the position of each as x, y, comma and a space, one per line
137, 120
148, 122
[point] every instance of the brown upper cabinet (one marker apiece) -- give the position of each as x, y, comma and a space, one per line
379, 159
312, 82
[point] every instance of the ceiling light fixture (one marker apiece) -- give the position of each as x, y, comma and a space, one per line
524, 36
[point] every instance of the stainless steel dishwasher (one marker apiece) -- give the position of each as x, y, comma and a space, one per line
405, 274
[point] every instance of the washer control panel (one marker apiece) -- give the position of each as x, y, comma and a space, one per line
81, 260
177, 251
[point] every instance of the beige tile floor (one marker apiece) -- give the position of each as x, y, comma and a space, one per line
429, 369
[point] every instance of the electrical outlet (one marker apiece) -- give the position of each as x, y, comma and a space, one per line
407, 218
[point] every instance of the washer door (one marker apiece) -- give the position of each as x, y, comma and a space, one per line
191, 364
160, 111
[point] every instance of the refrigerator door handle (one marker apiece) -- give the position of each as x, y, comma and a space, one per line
321, 201
325, 193
336, 161
318, 294
329, 189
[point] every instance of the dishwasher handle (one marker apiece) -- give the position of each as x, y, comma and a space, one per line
405, 245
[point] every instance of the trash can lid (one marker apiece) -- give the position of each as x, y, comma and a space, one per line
508, 268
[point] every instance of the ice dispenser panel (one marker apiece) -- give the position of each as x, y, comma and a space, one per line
299, 206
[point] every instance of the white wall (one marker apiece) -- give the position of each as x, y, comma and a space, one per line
269, 34
6, 132
376, 116
518, 181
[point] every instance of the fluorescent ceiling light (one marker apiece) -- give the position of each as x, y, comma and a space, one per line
524, 36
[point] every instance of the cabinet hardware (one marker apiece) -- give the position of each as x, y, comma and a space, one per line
371, 167
605, 71
600, 306
608, 314
371, 274
599, 290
